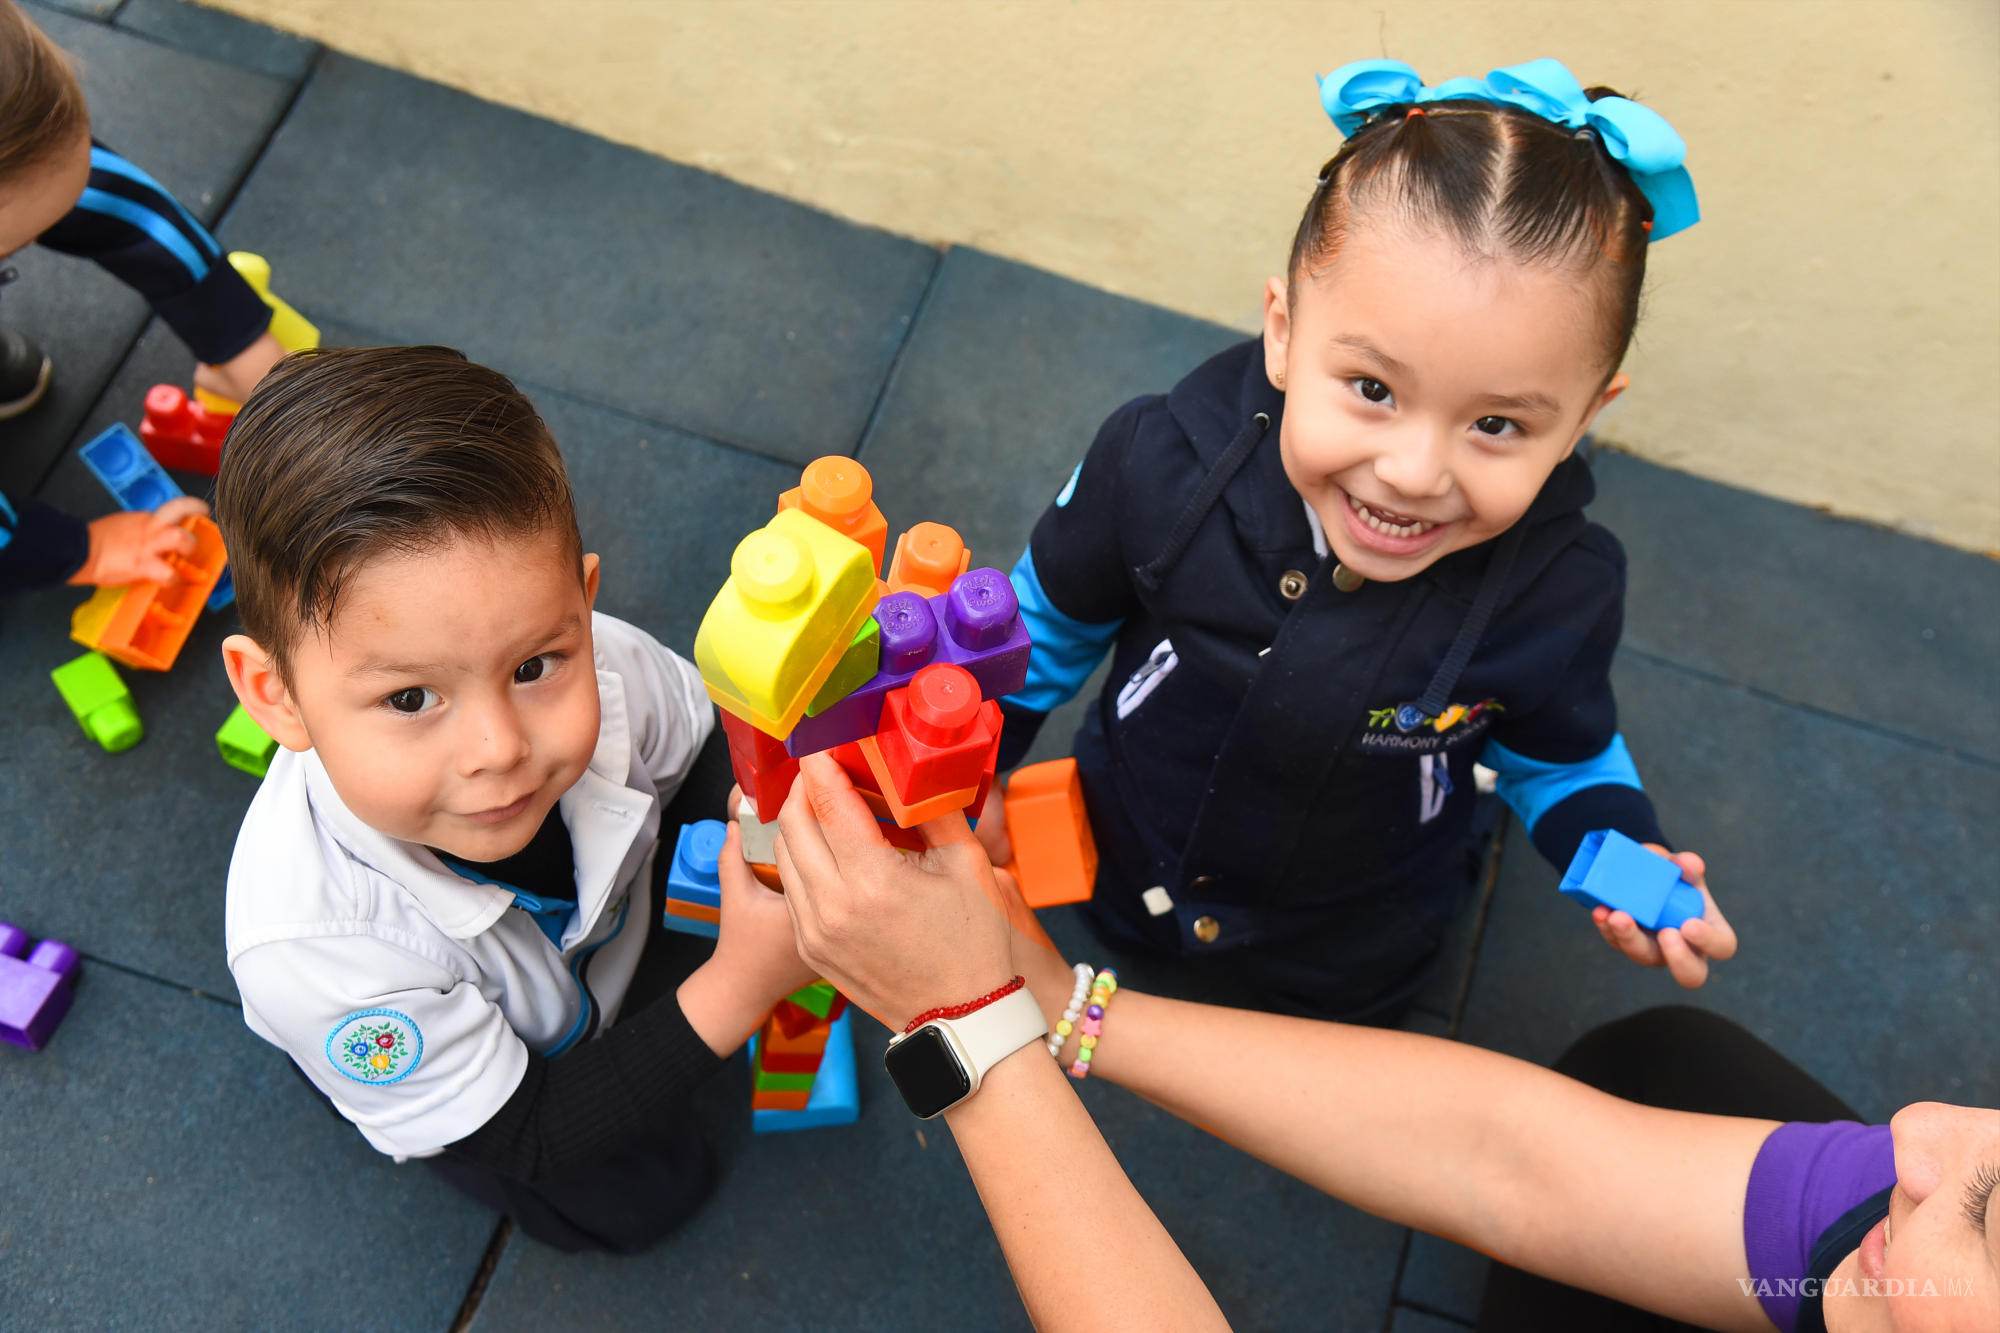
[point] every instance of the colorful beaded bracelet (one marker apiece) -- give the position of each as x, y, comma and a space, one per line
1066, 1024
1101, 991
971, 1007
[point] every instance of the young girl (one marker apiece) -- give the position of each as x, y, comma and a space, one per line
1337, 566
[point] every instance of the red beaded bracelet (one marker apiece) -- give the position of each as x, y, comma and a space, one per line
961, 1010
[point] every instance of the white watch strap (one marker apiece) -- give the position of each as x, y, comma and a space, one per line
988, 1036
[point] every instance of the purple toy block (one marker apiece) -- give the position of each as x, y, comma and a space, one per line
984, 632
35, 992
976, 625
1611, 870
908, 631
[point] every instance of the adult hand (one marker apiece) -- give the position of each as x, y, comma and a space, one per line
132, 547
237, 377
898, 932
1684, 952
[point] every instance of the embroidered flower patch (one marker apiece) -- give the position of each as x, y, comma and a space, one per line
375, 1046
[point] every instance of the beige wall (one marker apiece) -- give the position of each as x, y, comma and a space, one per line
1830, 334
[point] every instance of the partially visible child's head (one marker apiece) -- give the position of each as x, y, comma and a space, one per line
1460, 293
413, 590
44, 132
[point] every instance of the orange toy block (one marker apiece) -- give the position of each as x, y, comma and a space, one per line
839, 493
183, 434
779, 1101
144, 625
928, 557
1055, 857
694, 911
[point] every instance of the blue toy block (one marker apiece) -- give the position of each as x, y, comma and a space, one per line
36, 988
836, 1093
137, 481
694, 881
1611, 870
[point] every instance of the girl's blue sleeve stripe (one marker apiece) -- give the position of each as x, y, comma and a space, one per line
1535, 786
146, 220
1066, 650
103, 159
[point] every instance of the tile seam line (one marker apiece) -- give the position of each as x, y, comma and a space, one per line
1434, 1313
130, 971
1768, 696
895, 372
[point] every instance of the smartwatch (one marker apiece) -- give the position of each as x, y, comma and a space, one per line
940, 1064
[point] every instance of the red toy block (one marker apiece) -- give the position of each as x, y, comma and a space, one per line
928, 557
779, 1101
1055, 857
763, 770
839, 493
936, 733
181, 433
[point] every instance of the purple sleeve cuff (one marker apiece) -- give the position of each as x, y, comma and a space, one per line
1805, 1178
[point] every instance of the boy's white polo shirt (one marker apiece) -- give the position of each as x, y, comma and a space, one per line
411, 995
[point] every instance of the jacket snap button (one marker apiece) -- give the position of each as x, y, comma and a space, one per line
1206, 928
1202, 884
1292, 584
1346, 579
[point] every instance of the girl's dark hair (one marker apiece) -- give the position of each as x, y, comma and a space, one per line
42, 110
342, 456
1502, 182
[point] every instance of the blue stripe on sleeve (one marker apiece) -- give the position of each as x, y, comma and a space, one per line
1534, 786
146, 220
1066, 650
103, 159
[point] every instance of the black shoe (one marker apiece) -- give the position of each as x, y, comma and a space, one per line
24, 373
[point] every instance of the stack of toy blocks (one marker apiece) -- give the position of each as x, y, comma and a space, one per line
35, 988
806, 651
802, 1063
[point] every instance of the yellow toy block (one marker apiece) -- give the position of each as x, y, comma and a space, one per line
798, 592
293, 331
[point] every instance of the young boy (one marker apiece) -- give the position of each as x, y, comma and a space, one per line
441, 894
61, 188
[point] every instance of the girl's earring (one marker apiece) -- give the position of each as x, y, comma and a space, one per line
1281, 379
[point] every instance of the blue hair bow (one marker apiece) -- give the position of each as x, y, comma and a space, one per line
1635, 135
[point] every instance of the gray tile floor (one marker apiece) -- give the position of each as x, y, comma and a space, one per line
1811, 702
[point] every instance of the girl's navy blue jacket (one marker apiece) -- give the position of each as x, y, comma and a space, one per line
1272, 751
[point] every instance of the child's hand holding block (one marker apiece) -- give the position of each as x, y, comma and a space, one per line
1611, 870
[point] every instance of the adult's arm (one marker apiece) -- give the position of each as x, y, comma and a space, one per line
1534, 1169
901, 934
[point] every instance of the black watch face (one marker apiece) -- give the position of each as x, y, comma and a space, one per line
926, 1071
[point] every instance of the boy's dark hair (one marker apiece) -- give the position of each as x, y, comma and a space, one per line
42, 110
1502, 182
342, 456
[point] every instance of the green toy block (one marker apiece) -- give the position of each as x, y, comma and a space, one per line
103, 706
857, 667
767, 1082
244, 744
816, 999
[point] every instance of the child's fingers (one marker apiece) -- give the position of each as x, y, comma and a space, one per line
180, 507
1622, 933
1710, 933
1686, 966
